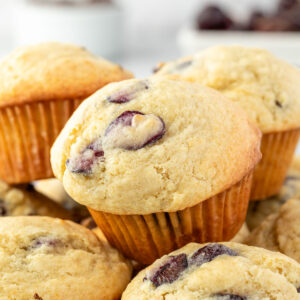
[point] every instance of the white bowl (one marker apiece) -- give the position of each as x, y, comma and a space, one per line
283, 44
98, 27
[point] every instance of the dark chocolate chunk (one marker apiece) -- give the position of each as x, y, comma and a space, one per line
169, 271
3, 210
230, 297
279, 104
209, 253
124, 120
37, 297
128, 94
84, 162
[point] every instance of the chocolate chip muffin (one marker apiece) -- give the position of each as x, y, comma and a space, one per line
40, 87
266, 87
47, 258
259, 210
53, 189
280, 231
157, 162
218, 271
242, 235
24, 201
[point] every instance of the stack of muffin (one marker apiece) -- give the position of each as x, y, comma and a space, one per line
161, 163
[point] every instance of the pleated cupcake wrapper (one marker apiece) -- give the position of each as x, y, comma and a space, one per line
145, 238
277, 153
26, 136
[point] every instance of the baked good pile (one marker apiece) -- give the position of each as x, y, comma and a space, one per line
182, 185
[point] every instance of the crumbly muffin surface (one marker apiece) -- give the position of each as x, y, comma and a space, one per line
259, 210
219, 271
45, 258
50, 71
144, 146
265, 86
280, 231
24, 201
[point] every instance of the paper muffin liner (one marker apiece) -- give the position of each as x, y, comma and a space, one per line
26, 136
277, 153
145, 238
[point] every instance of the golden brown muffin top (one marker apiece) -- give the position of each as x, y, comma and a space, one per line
50, 71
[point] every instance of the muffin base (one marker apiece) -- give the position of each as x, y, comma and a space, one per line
277, 154
26, 137
145, 238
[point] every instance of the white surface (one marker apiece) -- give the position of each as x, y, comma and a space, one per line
285, 44
97, 27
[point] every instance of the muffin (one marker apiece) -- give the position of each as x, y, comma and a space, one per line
53, 189
156, 176
47, 258
40, 87
280, 231
242, 235
267, 88
217, 271
24, 201
259, 210
89, 223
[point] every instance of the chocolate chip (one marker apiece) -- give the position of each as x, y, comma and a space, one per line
169, 271
278, 104
3, 210
115, 137
230, 297
209, 253
37, 297
298, 290
129, 93
84, 162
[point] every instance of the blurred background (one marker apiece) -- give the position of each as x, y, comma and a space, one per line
138, 34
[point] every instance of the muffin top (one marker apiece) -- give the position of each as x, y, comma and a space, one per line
265, 86
24, 201
280, 231
144, 146
218, 271
46, 258
54, 71
259, 210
